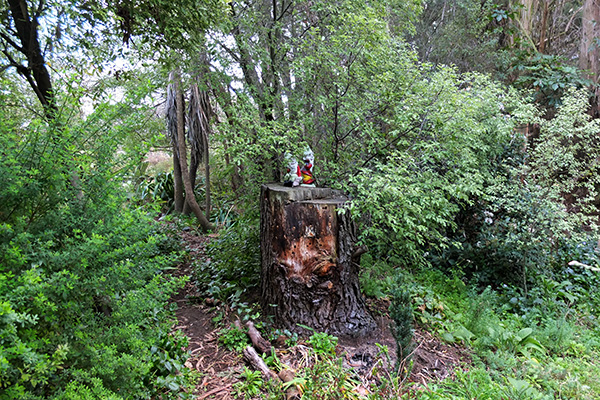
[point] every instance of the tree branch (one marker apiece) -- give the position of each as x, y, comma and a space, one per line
284, 10
12, 43
39, 10
233, 55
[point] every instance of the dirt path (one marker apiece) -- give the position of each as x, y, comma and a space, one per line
219, 368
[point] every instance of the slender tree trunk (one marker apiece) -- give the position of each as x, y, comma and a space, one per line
172, 117
199, 132
198, 139
177, 181
247, 65
265, 89
207, 179
189, 190
194, 163
528, 11
589, 51
26, 27
235, 176
544, 28
224, 99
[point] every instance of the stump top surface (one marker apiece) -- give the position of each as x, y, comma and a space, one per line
302, 193
333, 200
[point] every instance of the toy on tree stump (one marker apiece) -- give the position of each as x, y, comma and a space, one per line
307, 169
293, 176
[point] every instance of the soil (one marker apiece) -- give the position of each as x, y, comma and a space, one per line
219, 368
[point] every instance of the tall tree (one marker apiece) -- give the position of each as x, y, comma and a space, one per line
172, 133
589, 49
21, 47
199, 120
190, 197
200, 113
304, 68
34, 32
483, 35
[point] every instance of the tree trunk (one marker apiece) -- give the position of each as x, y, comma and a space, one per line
178, 200
224, 100
172, 117
189, 190
36, 73
207, 180
528, 12
589, 52
544, 28
309, 274
187, 210
200, 115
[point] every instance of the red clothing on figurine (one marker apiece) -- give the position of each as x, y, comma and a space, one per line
306, 171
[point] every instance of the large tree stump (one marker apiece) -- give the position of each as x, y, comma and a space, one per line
309, 275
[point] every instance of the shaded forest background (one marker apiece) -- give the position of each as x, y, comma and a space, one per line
465, 132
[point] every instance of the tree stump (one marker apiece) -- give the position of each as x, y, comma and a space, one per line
309, 275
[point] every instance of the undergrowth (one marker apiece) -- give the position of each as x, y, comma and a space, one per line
534, 344
232, 266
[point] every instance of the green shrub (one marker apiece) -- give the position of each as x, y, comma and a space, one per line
323, 343
376, 276
233, 263
234, 338
250, 386
91, 309
159, 188
448, 143
327, 379
82, 283
401, 312
549, 76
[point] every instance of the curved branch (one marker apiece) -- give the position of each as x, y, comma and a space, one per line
12, 43
36, 73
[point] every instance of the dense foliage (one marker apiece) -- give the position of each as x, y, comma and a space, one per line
463, 131
82, 283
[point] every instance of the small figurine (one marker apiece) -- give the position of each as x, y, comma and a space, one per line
307, 169
293, 176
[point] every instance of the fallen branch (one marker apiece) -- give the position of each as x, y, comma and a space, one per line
217, 390
578, 264
292, 392
257, 340
252, 357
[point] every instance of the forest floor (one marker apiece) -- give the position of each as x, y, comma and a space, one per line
219, 369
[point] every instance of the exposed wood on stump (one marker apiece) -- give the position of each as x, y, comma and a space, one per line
309, 275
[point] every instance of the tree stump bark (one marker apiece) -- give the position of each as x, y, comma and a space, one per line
309, 275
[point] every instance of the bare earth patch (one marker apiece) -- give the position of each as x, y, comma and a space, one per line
219, 368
